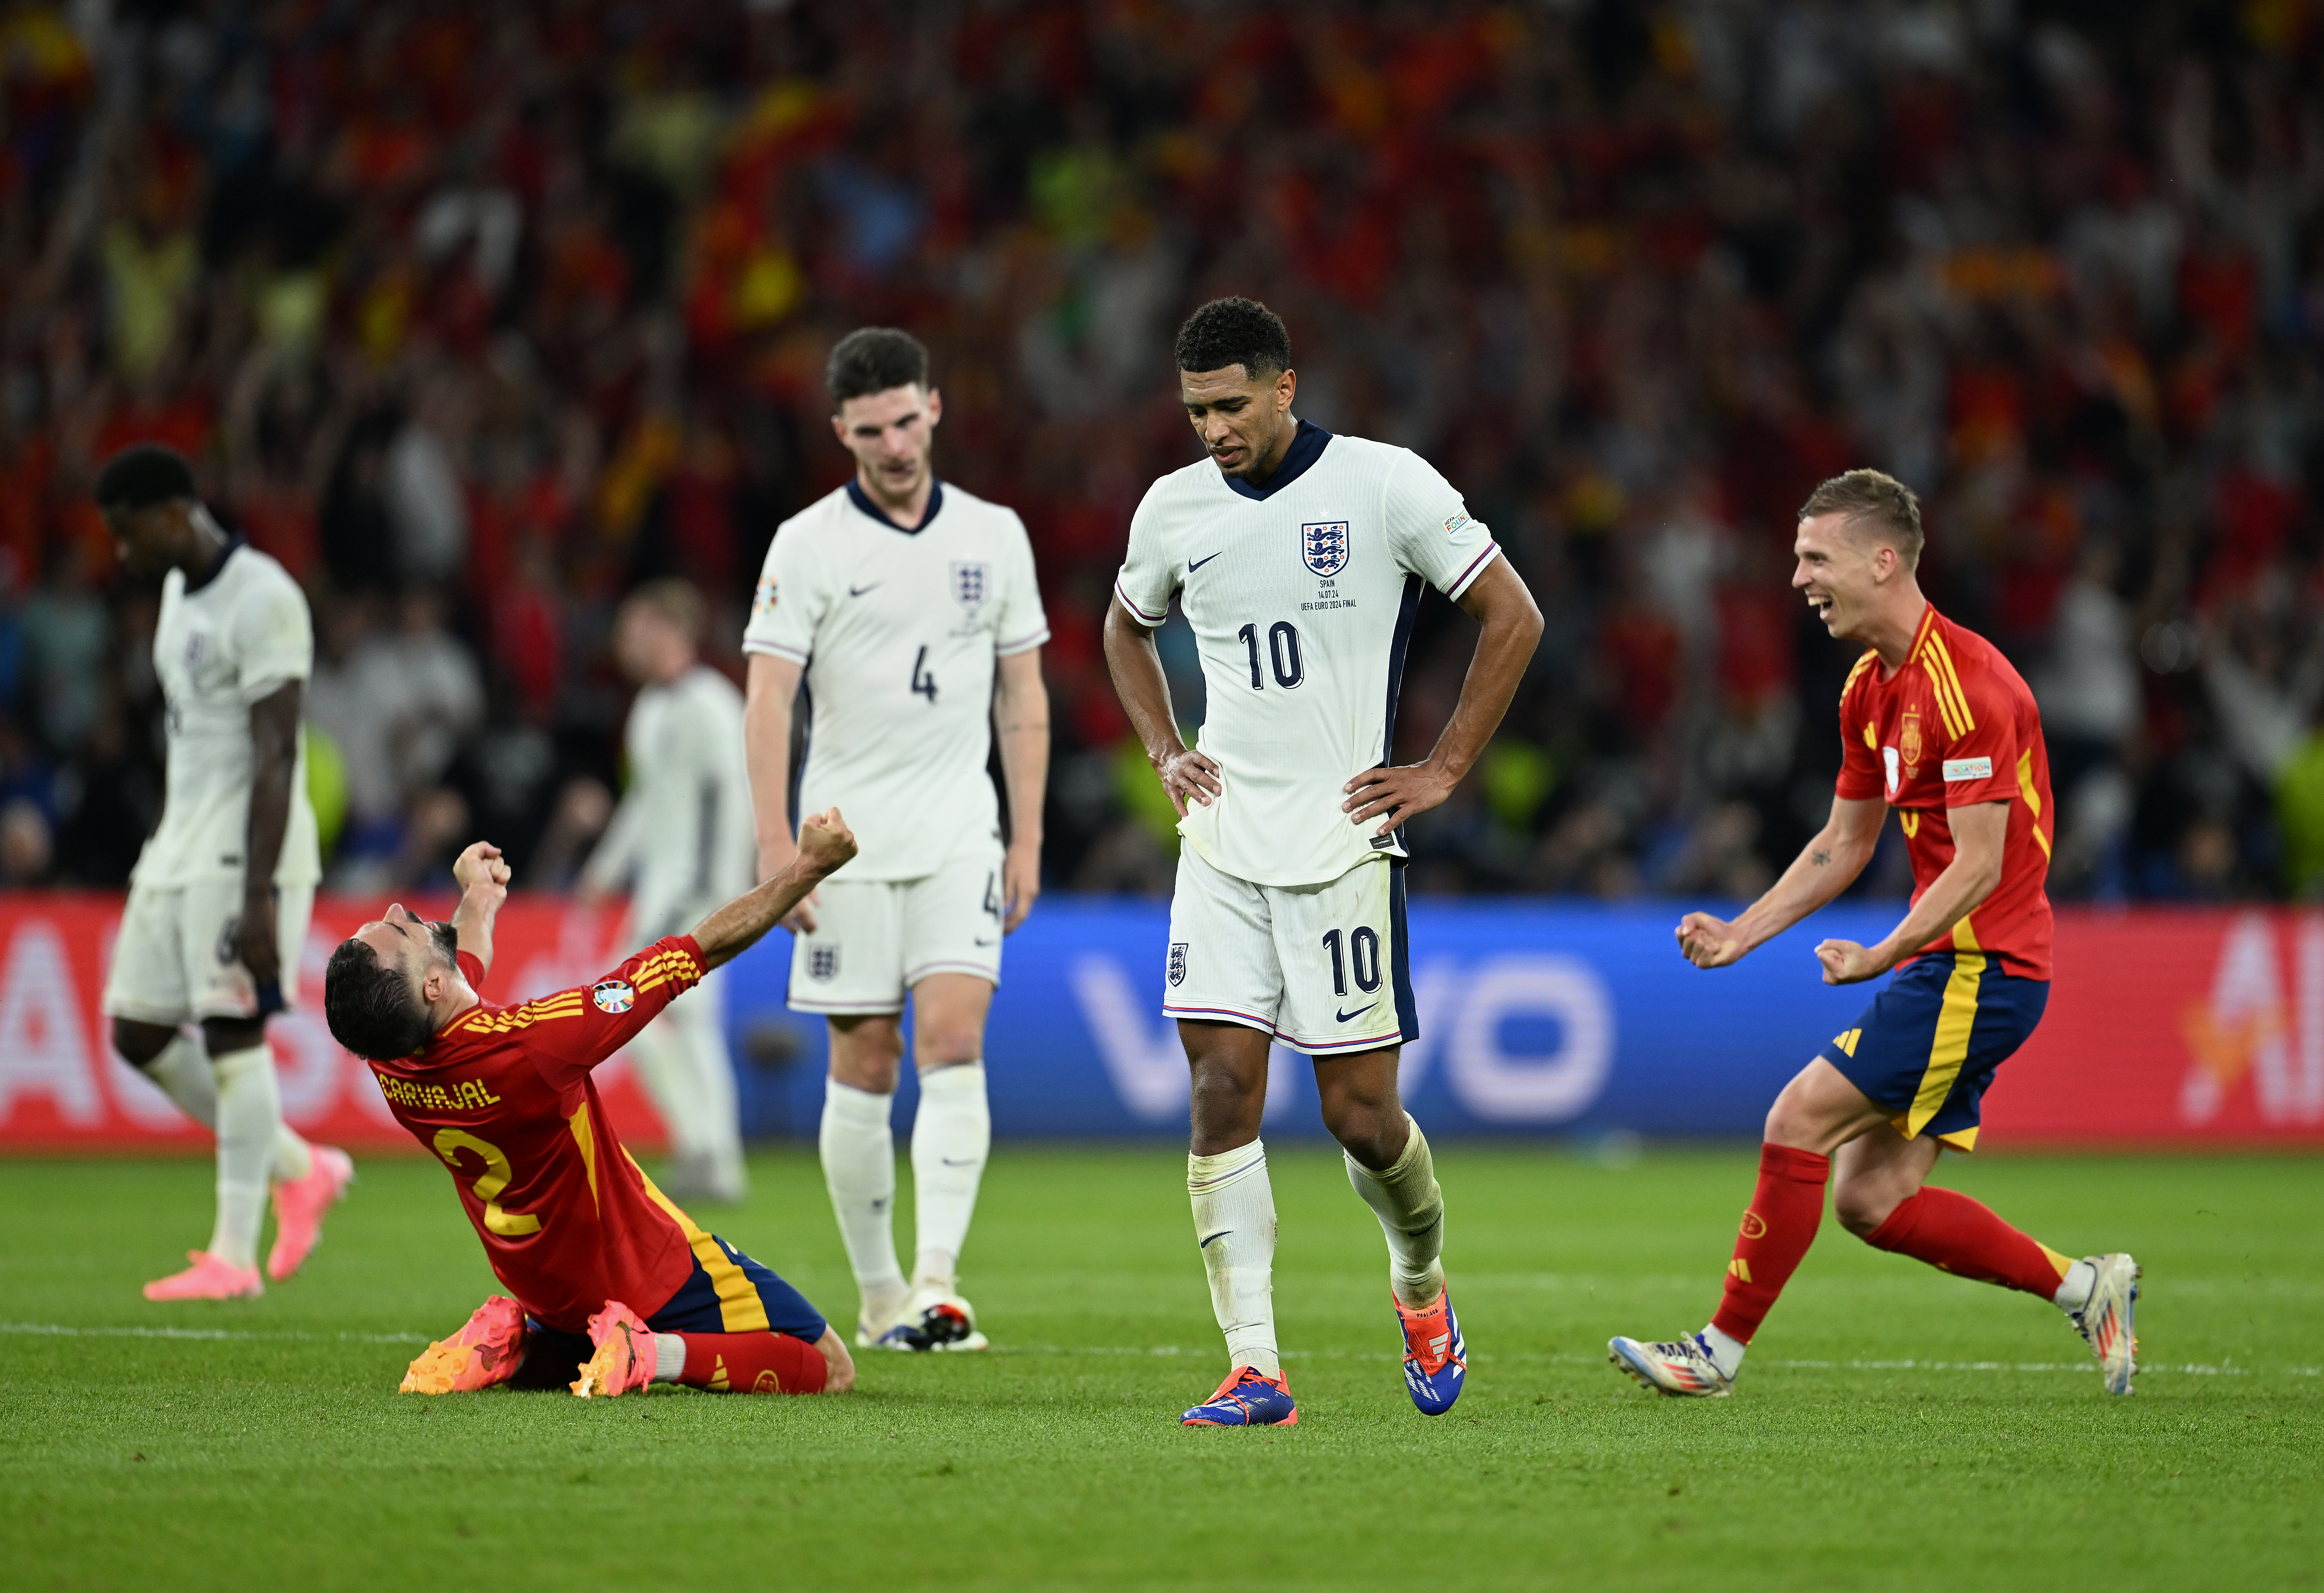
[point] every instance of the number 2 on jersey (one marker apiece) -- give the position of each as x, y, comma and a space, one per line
923, 682
1283, 659
487, 1188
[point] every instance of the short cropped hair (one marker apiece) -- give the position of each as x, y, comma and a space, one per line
679, 601
1235, 332
1875, 501
873, 359
370, 1007
141, 475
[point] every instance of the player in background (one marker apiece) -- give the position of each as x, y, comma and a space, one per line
1298, 559
909, 608
218, 903
614, 1286
681, 842
1934, 723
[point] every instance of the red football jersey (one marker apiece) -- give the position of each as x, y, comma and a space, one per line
1953, 727
503, 1095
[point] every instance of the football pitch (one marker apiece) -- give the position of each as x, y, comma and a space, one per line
1895, 1428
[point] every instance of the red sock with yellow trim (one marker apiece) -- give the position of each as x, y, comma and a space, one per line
1776, 1232
752, 1363
1956, 1234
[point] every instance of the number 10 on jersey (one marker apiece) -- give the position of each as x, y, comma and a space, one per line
1283, 659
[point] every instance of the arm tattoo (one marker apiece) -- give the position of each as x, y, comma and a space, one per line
1819, 858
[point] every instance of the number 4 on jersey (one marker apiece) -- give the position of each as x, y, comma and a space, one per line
923, 682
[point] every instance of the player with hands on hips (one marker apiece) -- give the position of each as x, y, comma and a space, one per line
611, 1285
1935, 723
909, 612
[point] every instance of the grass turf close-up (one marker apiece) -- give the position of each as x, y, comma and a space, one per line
1893, 1428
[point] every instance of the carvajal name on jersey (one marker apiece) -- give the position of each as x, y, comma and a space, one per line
460, 1095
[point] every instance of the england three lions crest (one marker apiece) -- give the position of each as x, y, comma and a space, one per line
1324, 546
970, 583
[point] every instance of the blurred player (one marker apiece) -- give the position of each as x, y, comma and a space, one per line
910, 607
218, 904
681, 841
614, 1286
1936, 724
1298, 559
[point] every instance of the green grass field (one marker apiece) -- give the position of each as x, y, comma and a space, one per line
1894, 1429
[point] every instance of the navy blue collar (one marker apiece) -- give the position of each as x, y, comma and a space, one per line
1306, 448
231, 542
863, 502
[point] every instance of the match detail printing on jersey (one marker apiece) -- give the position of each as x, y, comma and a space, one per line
1301, 595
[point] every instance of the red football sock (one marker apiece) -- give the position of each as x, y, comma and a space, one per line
1956, 1234
753, 1363
1777, 1230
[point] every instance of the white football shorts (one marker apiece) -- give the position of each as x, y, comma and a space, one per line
1322, 968
875, 939
174, 959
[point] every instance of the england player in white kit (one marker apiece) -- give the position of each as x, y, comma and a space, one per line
216, 915
909, 608
1297, 557
682, 842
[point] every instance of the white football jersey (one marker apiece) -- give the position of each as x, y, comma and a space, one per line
242, 636
898, 630
682, 838
1301, 595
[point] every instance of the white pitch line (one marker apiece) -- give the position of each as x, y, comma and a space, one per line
2189, 1369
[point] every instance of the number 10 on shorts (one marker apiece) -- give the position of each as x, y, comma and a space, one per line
1361, 958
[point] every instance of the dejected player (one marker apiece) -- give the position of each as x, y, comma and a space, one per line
1937, 725
615, 1286
1297, 557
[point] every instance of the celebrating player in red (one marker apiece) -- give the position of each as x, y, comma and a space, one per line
615, 1287
1936, 724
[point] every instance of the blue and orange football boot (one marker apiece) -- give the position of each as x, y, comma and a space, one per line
1435, 1360
1246, 1399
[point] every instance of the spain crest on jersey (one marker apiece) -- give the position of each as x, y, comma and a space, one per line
614, 995
1324, 547
1908, 743
969, 582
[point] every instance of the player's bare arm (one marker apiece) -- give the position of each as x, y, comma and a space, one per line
1979, 835
273, 760
1130, 657
1020, 724
482, 876
1827, 865
1499, 601
772, 689
825, 843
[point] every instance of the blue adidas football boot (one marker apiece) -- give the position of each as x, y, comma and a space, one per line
1435, 1360
1246, 1399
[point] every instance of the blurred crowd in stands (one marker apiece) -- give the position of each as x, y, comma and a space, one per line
477, 315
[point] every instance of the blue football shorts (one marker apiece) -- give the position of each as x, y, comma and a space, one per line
1927, 1046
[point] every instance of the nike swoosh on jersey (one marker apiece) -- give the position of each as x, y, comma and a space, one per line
1196, 563
1219, 1235
860, 591
1358, 1012
988, 943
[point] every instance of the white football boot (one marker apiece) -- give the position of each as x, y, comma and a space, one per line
1683, 1369
934, 1318
2104, 1322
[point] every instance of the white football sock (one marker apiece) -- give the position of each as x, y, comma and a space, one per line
2074, 1288
1234, 1223
859, 1166
184, 1074
950, 1139
1411, 1212
249, 1120
1725, 1352
670, 1357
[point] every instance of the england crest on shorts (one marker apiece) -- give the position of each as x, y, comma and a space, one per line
823, 962
615, 996
1177, 962
1324, 546
968, 584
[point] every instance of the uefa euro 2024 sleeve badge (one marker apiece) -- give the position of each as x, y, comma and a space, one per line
614, 995
1324, 547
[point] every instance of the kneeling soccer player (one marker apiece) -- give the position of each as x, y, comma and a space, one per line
1936, 724
615, 1286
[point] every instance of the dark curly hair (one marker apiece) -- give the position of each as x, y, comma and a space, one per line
371, 1007
141, 475
873, 359
1235, 332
